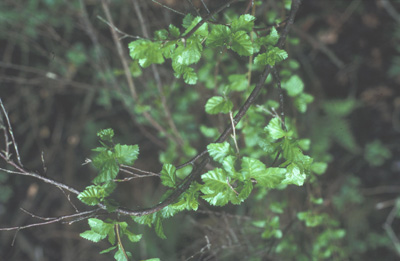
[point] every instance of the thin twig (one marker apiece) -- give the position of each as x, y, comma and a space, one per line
124, 35
11, 134
281, 101
169, 8
85, 214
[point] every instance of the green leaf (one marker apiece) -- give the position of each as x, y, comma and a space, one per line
132, 237
238, 82
161, 34
216, 189
294, 175
107, 165
228, 163
91, 195
301, 101
190, 76
294, 85
244, 22
120, 255
271, 57
340, 108
146, 51
159, 228
174, 31
99, 230
108, 250
106, 134
92, 236
271, 177
312, 219
188, 54
271, 39
126, 154
319, 167
187, 21
252, 168
144, 220
189, 199
376, 153
218, 151
168, 175
219, 36
202, 30
241, 43
274, 128
218, 104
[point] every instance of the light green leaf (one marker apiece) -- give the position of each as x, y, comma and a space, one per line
294, 85
174, 31
218, 104
190, 76
301, 101
91, 195
319, 167
119, 255
219, 36
202, 30
241, 43
106, 134
107, 165
271, 57
218, 151
132, 237
161, 34
146, 51
187, 20
92, 236
168, 175
274, 128
271, 177
159, 227
243, 23
108, 250
228, 163
294, 176
271, 39
238, 82
252, 168
126, 154
188, 54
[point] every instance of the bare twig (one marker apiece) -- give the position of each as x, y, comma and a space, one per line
124, 35
11, 133
281, 100
169, 8
85, 214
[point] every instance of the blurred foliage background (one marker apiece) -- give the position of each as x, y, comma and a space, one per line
62, 79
